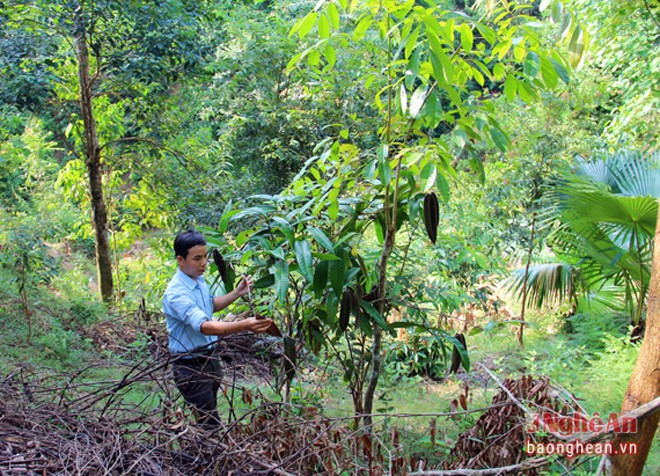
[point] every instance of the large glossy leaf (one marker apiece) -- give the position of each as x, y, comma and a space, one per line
320, 278
286, 229
259, 210
281, 273
304, 259
336, 273
375, 315
321, 238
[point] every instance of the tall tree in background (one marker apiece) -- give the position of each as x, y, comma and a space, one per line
625, 51
126, 54
92, 152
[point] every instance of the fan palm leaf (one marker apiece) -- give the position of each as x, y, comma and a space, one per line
546, 283
606, 211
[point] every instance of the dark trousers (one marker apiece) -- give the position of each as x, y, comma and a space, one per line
198, 379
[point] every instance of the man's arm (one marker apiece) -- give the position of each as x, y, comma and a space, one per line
243, 288
221, 328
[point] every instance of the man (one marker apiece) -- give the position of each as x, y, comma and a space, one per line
189, 306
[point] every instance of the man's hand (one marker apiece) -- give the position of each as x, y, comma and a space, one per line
257, 325
244, 286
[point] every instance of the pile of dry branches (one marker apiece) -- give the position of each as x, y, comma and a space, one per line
499, 436
135, 423
52, 426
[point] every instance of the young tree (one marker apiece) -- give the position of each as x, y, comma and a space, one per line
435, 75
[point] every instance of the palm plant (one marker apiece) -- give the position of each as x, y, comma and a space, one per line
605, 211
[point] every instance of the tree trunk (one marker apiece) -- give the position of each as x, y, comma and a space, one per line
376, 357
93, 163
521, 327
644, 383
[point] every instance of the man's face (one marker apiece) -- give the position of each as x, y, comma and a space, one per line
194, 264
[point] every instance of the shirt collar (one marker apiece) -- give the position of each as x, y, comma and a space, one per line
187, 280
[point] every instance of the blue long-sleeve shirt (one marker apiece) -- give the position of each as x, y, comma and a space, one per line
187, 303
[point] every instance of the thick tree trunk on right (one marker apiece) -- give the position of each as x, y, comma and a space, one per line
644, 383
93, 163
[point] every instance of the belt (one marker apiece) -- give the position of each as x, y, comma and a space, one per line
196, 358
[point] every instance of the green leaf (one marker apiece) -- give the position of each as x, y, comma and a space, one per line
413, 69
304, 259
411, 43
433, 112
337, 272
244, 236
305, 25
325, 256
277, 252
510, 87
361, 28
384, 169
460, 137
403, 99
487, 32
499, 138
443, 68
314, 58
527, 92
531, 65
265, 282
557, 10
320, 278
324, 26
465, 358
427, 177
379, 226
226, 216
321, 238
330, 55
259, 210
443, 187
499, 71
333, 15
375, 315
478, 77
333, 209
286, 229
561, 71
467, 37
544, 4
576, 53
550, 76
281, 273
566, 22
478, 167
366, 283
331, 307
417, 101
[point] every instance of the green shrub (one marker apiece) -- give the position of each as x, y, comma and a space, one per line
420, 354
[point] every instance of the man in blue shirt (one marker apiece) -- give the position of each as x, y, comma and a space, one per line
189, 306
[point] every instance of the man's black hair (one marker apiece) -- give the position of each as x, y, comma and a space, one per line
186, 240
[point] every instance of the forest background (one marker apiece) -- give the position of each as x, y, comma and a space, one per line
433, 197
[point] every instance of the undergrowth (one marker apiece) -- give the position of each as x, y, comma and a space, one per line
594, 363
